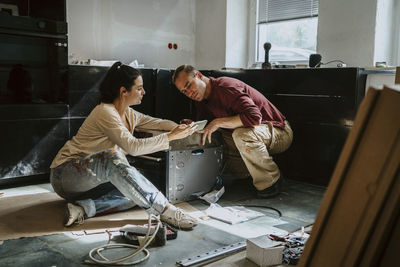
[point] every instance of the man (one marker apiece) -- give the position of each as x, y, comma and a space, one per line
259, 128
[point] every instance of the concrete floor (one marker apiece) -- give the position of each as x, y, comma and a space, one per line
298, 202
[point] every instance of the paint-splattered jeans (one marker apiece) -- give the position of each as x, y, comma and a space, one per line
103, 183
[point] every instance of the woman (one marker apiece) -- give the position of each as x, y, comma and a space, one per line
91, 170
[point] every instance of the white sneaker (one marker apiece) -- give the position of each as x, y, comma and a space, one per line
178, 218
74, 214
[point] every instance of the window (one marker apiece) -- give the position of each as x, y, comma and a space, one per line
291, 28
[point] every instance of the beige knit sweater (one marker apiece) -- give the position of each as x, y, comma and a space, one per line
104, 129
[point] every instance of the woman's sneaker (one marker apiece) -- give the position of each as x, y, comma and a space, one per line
74, 214
178, 218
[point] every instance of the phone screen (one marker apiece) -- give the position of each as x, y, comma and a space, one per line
200, 124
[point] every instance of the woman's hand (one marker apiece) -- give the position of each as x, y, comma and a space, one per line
181, 131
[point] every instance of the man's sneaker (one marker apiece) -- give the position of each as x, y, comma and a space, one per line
74, 214
271, 191
178, 218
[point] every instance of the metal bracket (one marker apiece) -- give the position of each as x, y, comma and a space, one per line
212, 254
149, 158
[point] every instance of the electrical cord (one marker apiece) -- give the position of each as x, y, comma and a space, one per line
119, 261
337, 60
262, 206
254, 206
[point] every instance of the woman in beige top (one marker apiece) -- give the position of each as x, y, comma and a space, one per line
91, 170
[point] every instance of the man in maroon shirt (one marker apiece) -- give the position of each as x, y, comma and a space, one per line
259, 128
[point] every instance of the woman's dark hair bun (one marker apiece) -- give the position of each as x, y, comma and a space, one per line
117, 76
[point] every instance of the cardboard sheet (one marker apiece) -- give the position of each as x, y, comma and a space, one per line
359, 212
43, 214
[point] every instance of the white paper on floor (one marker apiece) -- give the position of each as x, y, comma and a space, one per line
249, 229
231, 215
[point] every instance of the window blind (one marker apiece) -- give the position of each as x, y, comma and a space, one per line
279, 10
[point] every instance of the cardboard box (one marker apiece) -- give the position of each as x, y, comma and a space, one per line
354, 226
264, 251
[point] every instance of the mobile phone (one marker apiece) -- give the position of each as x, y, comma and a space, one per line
200, 124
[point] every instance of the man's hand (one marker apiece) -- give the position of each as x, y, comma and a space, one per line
186, 121
208, 130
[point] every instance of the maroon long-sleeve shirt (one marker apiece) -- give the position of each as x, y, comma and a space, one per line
230, 97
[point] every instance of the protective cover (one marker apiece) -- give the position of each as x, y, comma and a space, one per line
192, 172
187, 170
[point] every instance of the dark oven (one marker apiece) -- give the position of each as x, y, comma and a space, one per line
33, 60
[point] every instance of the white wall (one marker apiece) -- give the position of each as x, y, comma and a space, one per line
213, 34
210, 34
396, 35
359, 32
132, 29
387, 36
385, 32
252, 36
346, 31
237, 31
222, 33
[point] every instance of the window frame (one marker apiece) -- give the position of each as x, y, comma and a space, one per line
254, 38
396, 45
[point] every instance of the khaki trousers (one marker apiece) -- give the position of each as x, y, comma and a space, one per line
248, 152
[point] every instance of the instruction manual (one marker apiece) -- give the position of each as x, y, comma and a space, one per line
231, 215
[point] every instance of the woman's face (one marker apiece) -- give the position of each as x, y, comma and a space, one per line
135, 96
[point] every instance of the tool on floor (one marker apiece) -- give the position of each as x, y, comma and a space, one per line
212, 254
135, 234
294, 245
148, 238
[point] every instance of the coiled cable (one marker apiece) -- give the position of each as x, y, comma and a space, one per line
119, 261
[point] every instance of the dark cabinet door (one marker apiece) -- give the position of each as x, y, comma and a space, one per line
30, 137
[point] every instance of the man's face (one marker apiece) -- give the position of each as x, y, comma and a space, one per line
191, 85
